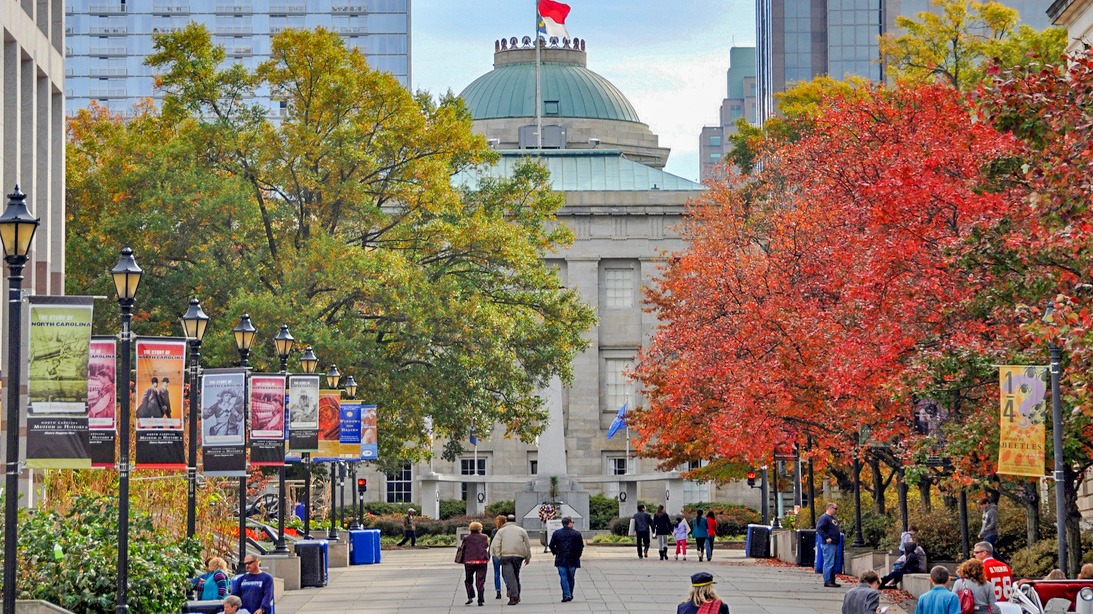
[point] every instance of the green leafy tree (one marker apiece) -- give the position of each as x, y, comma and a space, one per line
340, 219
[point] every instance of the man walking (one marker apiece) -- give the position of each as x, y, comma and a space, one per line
988, 530
642, 523
827, 527
511, 545
567, 544
254, 588
409, 534
864, 598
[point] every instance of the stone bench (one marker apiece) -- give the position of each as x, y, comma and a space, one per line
919, 583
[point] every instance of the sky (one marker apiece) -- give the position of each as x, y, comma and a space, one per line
668, 58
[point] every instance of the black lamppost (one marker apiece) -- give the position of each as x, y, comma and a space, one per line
194, 323
859, 539
17, 228
244, 338
308, 362
126, 276
1057, 440
351, 392
332, 379
283, 341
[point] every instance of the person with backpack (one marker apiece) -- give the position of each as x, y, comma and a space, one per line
975, 593
700, 534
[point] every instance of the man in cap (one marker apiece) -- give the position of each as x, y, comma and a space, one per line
410, 532
702, 597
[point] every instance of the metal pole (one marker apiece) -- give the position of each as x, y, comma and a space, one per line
244, 362
15, 375
281, 547
191, 452
777, 500
332, 534
307, 494
903, 512
859, 540
356, 524
123, 459
964, 549
1057, 439
341, 494
764, 495
811, 486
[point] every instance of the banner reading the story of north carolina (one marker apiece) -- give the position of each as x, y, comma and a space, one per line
330, 402
161, 366
267, 419
223, 422
369, 433
303, 413
102, 400
1021, 437
60, 344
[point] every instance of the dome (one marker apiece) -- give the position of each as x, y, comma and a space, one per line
509, 89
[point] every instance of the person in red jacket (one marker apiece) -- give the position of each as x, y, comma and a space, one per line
711, 530
997, 572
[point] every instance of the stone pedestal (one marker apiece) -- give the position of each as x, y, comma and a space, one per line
573, 499
286, 567
476, 498
673, 499
430, 497
628, 499
339, 553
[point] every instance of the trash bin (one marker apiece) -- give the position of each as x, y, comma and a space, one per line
300, 511
313, 555
757, 542
819, 566
364, 546
806, 547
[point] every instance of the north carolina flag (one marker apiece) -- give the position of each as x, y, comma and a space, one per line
618, 422
552, 18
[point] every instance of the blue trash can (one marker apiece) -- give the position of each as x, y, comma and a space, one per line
364, 546
300, 511
819, 566
314, 560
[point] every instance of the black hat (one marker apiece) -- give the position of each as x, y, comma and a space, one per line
702, 579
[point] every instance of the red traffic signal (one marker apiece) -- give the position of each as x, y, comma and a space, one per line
362, 485
751, 479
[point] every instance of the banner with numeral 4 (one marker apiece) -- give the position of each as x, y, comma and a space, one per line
1021, 438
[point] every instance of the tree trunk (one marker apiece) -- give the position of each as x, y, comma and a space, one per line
1073, 525
1030, 496
924, 494
843, 479
878, 486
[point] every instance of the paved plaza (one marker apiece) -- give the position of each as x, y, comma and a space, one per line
612, 580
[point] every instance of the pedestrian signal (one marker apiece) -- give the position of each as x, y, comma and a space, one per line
751, 479
362, 485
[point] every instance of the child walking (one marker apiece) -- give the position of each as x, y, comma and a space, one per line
680, 535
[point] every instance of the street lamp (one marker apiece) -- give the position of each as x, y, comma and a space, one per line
283, 342
1057, 440
17, 228
194, 323
351, 392
351, 387
308, 362
332, 379
859, 539
244, 338
126, 276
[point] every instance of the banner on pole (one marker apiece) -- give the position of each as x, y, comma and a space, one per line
223, 422
102, 400
329, 426
1022, 433
60, 346
303, 413
349, 435
267, 419
369, 433
161, 365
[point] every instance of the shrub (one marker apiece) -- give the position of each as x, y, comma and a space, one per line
601, 509
381, 508
734, 519
1035, 561
620, 526
452, 507
501, 508
83, 579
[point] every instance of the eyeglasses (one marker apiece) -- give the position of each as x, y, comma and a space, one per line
249, 562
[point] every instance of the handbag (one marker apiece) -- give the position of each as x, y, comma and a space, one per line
967, 600
459, 554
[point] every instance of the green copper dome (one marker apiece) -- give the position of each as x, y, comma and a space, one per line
509, 91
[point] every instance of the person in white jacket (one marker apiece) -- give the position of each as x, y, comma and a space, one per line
680, 535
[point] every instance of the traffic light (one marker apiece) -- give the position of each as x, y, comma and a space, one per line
362, 485
751, 478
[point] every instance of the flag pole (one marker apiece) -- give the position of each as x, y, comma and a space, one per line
627, 406
538, 83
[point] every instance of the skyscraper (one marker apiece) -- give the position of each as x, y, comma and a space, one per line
107, 40
801, 39
739, 103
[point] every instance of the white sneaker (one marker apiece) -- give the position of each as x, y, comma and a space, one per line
677, 557
684, 557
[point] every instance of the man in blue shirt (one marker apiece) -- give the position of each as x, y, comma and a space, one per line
827, 528
939, 599
254, 588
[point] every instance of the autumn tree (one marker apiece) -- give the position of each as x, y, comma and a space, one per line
341, 219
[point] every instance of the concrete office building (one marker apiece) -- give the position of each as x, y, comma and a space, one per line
622, 207
107, 40
797, 40
739, 103
1077, 17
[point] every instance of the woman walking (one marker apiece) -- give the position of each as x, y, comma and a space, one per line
711, 533
974, 578
662, 527
682, 528
700, 534
497, 522
476, 556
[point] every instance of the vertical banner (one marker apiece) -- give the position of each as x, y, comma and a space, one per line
161, 365
102, 400
267, 419
349, 434
330, 447
303, 413
224, 422
1022, 433
369, 433
60, 345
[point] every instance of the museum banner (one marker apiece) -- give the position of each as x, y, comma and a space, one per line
1022, 433
60, 346
223, 423
369, 433
161, 366
349, 433
267, 419
102, 400
303, 413
330, 426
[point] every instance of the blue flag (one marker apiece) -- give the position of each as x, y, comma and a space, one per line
473, 438
618, 423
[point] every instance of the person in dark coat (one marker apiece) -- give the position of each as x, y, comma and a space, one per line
476, 558
642, 523
567, 544
702, 596
662, 528
864, 598
914, 562
827, 528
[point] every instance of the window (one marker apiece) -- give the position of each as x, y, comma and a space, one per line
466, 467
619, 389
618, 465
399, 485
533, 467
695, 492
620, 288
550, 107
715, 140
715, 157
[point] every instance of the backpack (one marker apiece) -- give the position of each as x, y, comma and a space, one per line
967, 600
